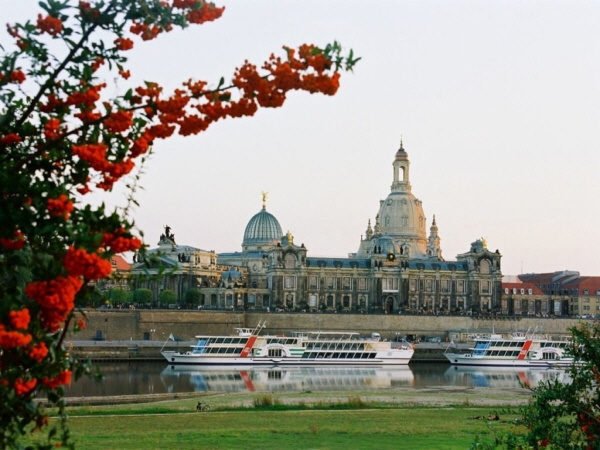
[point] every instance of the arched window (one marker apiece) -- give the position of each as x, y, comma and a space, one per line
346, 301
290, 261
330, 301
484, 266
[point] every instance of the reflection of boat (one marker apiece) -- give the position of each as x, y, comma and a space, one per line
520, 350
247, 347
502, 377
288, 379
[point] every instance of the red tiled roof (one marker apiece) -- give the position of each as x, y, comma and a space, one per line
119, 264
590, 283
534, 289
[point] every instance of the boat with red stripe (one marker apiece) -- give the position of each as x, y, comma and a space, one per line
247, 347
516, 350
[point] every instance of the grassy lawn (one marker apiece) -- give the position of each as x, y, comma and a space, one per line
292, 421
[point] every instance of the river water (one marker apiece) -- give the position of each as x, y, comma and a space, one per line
131, 378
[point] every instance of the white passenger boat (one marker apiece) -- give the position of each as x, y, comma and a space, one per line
518, 350
248, 348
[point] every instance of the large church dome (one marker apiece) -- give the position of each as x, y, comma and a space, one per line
263, 230
401, 214
400, 217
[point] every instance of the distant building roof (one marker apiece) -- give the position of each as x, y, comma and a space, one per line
436, 265
338, 262
120, 264
560, 278
263, 228
534, 289
592, 284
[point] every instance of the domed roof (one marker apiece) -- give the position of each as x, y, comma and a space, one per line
386, 245
232, 274
262, 229
400, 217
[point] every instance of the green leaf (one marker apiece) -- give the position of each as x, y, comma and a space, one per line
45, 6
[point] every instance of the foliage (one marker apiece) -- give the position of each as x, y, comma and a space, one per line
117, 295
143, 296
167, 296
192, 296
565, 414
62, 137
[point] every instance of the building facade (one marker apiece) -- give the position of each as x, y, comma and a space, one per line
563, 293
397, 266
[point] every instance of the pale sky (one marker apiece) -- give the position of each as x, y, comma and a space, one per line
497, 102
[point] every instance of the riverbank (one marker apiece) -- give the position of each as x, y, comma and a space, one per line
438, 418
157, 325
438, 396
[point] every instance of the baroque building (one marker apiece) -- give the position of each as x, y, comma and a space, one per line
397, 266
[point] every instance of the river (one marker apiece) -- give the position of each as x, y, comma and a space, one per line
136, 378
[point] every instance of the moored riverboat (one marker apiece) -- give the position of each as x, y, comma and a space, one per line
314, 348
518, 350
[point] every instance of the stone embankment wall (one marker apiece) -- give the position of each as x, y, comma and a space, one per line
157, 325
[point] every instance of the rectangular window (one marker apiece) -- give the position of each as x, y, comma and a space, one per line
290, 282
346, 283
429, 285
412, 285
460, 286
313, 282
485, 287
530, 291
444, 285
506, 290
330, 283
362, 284
389, 284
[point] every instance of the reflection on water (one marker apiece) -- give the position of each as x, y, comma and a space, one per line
502, 377
156, 378
288, 379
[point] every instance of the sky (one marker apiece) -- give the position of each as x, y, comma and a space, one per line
497, 104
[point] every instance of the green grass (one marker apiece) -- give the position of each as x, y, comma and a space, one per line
293, 421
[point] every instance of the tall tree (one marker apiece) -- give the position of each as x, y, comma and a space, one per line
62, 136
